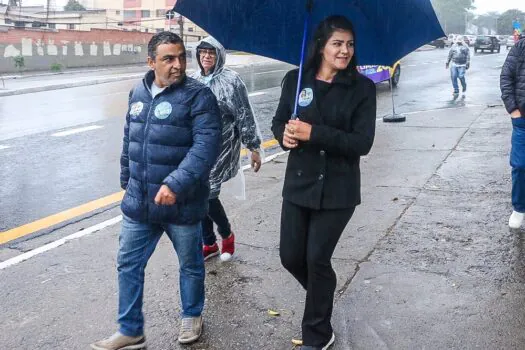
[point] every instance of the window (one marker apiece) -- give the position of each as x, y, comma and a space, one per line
160, 13
71, 26
190, 29
160, 30
8, 21
130, 14
52, 26
145, 13
117, 12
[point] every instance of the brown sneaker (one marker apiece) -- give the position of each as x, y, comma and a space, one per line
190, 329
119, 341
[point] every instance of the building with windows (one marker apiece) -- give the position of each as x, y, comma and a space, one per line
146, 16
39, 17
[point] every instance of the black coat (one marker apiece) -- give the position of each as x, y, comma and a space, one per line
512, 80
324, 173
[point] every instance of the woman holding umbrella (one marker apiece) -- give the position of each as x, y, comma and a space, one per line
335, 126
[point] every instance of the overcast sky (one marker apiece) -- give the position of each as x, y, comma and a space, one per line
482, 6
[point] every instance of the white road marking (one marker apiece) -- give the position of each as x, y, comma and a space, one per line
76, 131
4, 147
256, 94
25, 256
272, 71
45, 248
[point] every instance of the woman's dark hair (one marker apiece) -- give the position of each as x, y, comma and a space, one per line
324, 31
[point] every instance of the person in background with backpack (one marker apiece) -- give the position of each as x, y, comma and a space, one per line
459, 54
512, 84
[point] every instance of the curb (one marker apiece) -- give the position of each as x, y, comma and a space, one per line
21, 91
37, 74
69, 85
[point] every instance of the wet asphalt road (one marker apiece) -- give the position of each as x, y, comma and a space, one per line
44, 173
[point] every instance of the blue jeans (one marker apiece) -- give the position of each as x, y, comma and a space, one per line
455, 73
137, 241
517, 162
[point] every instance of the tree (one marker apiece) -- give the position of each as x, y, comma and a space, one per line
488, 21
505, 21
14, 2
74, 5
453, 14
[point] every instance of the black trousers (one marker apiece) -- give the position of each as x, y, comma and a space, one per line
308, 241
216, 214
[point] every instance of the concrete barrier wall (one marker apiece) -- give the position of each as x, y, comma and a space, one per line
70, 49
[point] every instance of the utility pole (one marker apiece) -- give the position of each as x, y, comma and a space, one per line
181, 27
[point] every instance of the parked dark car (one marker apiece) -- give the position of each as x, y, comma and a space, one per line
487, 43
439, 43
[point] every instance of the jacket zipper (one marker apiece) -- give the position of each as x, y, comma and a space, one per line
144, 154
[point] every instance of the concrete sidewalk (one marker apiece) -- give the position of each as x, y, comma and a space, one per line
427, 261
43, 81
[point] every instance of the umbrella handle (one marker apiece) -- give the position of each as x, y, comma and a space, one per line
309, 5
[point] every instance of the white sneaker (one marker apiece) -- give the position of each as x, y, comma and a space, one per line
516, 219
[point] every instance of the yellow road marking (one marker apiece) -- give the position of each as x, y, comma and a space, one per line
55, 219
267, 144
69, 214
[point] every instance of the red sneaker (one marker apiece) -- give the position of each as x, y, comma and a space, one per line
209, 251
228, 247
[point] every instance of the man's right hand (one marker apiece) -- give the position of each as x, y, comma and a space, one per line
446, 65
165, 196
515, 114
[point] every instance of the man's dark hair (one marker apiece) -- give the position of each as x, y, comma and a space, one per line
162, 38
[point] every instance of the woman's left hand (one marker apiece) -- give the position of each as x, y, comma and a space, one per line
299, 130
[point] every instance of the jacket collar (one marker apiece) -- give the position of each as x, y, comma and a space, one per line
340, 78
149, 78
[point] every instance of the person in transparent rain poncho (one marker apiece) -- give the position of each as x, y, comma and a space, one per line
238, 126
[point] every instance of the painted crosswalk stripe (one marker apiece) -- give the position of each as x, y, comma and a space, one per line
76, 130
4, 147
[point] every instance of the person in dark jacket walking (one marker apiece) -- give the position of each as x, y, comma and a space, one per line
459, 55
512, 84
172, 138
238, 124
335, 127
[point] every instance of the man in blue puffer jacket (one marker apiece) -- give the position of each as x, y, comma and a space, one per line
172, 139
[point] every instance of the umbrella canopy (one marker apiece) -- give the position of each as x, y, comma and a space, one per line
386, 30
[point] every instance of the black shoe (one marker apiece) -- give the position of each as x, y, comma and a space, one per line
330, 343
464, 89
456, 92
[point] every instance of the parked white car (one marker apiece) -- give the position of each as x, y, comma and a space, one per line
471, 39
511, 41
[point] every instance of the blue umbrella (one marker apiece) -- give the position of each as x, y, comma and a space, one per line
386, 30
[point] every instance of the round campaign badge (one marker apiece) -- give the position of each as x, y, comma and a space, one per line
163, 110
136, 108
306, 97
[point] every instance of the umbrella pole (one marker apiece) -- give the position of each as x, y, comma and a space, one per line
309, 5
393, 118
